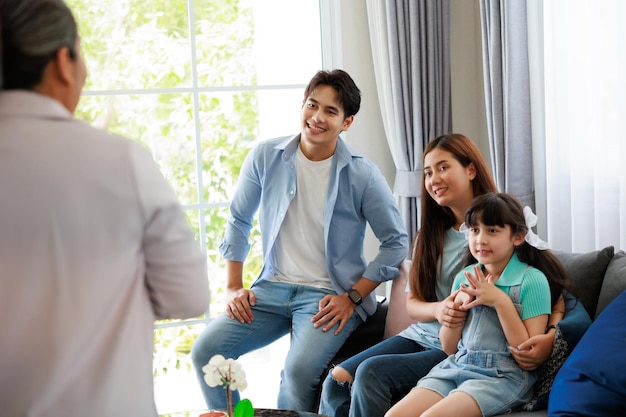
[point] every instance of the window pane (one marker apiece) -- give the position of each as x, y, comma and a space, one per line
288, 48
257, 42
131, 44
224, 43
228, 126
230, 123
161, 122
279, 111
215, 221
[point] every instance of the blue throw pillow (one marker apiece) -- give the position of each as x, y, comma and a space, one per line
592, 382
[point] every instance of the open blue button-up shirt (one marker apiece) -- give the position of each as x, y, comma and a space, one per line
357, 194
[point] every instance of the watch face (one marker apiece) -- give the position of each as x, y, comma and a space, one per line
355, 296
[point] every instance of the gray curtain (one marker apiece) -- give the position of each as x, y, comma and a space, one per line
410, 45
507, 95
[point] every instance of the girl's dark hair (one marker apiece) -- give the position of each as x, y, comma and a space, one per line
348, 94
500, 209
436, 219
32, 31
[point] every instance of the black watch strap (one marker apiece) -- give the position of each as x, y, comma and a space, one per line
355, 296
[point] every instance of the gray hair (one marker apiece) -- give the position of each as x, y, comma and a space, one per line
32, 31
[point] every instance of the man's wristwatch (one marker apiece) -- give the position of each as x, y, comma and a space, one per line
355, 296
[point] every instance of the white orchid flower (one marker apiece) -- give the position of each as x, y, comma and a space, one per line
226, 372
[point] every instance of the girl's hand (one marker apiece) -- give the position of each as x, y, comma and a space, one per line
481, 289
449, 313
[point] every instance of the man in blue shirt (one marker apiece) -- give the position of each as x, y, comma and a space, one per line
314, 196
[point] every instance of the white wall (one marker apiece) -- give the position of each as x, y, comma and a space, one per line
367, 134
468, 98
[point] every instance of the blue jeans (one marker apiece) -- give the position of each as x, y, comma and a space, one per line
280, 308
382, 374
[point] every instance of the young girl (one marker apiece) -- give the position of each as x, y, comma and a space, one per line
508, 298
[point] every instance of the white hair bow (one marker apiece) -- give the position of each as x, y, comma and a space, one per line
531, 237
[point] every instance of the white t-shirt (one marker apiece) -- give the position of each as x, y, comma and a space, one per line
299, 254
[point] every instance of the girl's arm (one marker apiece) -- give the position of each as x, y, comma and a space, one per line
450, 336
515, 330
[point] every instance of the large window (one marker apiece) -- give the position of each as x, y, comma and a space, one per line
198, 82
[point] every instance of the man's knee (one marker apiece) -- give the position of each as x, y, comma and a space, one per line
198, 356
202, 350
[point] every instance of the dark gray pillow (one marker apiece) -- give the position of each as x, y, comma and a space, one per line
586, 271
614, 281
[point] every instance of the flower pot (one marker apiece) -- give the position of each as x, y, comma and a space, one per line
214, 414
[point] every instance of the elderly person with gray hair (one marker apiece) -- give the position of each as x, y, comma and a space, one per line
94, 245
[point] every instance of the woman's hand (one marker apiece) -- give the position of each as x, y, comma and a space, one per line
449, 313
531, 354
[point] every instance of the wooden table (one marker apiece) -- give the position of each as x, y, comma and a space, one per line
258, 412
265, 412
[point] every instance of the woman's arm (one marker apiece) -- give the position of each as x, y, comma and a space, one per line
535, 351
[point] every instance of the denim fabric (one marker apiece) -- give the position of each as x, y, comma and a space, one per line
382, 374
280, 308
487, 373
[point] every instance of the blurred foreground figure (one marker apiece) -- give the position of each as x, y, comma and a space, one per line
93, 243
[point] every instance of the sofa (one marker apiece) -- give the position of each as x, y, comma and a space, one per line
597, 277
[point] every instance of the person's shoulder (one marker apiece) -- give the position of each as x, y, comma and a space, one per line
468, 268
460, 278
266, 150
357, 161
346, 151
534, 277
98, 136
280, 142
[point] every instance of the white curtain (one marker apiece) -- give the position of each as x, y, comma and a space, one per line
583, 82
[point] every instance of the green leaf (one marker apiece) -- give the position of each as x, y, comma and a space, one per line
244, 408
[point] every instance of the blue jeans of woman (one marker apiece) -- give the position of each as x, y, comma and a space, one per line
280, 308
382, 374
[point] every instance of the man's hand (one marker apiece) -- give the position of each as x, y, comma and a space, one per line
333, 309
534, 352
238, 304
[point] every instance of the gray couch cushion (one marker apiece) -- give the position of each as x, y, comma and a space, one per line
614, 281
586, 271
